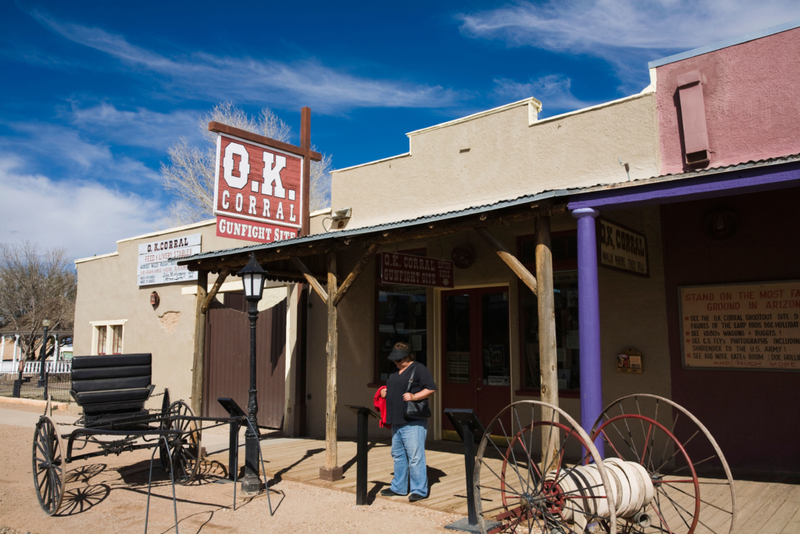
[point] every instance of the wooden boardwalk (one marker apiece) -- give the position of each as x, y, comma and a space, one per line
763, 507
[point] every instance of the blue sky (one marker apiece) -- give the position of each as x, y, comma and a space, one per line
94, 93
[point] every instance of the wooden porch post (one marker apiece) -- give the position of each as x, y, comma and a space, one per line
199, 343
548, 361
331, 471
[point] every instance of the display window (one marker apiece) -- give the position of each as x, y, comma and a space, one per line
401, 315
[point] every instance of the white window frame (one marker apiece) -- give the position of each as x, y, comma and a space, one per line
97, 325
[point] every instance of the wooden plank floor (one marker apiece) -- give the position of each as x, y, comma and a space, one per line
763, 507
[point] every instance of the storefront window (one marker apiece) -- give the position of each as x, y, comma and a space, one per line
402, 316
565, 288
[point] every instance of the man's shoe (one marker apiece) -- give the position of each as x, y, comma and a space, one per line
389, 493
416, 497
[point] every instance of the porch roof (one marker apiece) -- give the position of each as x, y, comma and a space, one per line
749, 176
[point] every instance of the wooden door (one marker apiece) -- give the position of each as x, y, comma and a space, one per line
475, 351
227, 361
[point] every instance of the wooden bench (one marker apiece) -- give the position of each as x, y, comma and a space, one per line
111, 388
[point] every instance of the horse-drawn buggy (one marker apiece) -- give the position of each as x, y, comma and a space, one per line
112, 391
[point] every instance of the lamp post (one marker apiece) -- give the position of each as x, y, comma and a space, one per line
43, 357
253, 281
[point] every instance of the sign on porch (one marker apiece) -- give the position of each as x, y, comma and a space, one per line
621, 248
258, 189
415, 270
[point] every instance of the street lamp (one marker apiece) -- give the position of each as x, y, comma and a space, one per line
42, 379
253, 280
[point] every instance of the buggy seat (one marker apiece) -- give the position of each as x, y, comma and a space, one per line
113, 387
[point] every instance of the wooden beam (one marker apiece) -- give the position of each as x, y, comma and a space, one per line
218, 127
305, 143
214, 289
423, 230
293, 276
318, 289
362, 263
331, 471
548, 361
524, 274
198, 369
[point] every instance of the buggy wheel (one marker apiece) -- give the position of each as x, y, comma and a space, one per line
519, 489
48, 465
183, 446
692, 484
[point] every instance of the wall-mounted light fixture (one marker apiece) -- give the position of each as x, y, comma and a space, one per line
721, 223
155, 300
340, 217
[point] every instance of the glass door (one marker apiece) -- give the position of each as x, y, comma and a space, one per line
475, 351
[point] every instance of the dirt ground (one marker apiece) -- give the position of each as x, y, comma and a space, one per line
109, 494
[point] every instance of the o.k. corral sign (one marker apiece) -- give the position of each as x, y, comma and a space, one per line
260, 186
622, 248
411, 270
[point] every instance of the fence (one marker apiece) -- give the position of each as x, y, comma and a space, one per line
31, 368
57, 380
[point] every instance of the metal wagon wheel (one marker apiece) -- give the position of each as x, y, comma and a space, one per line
693, 486
48, 465
184, 446
519, 489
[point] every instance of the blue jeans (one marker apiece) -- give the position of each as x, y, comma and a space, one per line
408, 453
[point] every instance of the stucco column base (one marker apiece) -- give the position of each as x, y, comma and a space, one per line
331, 475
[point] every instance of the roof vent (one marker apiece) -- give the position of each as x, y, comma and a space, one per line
693, 118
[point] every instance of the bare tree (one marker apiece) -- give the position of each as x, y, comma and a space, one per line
34, 287
190, 174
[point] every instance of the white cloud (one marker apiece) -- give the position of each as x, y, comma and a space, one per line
625, 33
552, 90
140, 127
593, 27
84, 217
65, 148
216, 78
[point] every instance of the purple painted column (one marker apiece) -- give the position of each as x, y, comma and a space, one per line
589, 321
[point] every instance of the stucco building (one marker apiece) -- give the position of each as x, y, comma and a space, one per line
688, 188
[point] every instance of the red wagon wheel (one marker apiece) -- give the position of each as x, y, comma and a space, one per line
692, 483
48, 465
519, 489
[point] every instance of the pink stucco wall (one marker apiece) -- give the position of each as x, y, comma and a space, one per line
752, 102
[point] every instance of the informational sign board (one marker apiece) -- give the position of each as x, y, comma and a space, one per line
622, 248
629, 361
415, 270
258, 184
743, 326
156, 264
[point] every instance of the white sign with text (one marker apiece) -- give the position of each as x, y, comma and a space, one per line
156, 264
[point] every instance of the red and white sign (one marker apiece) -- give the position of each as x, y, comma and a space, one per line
258, 188
252, 231
415, 270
